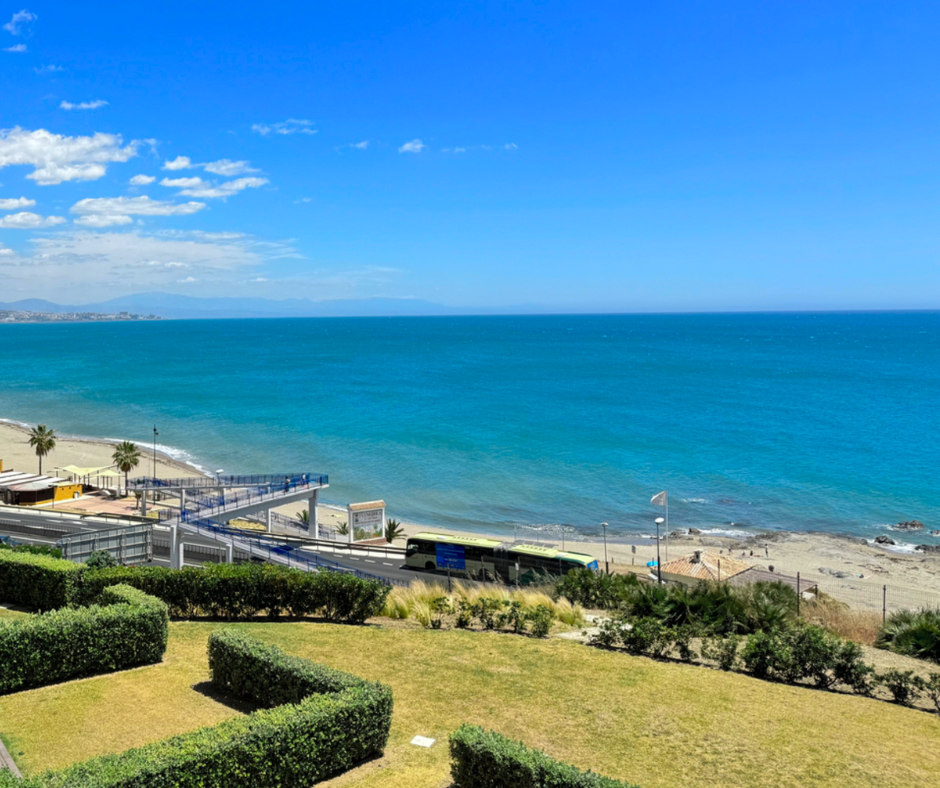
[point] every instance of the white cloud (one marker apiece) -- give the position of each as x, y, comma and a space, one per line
98, 220
142, 180
223, 190
57, 158
84, 105
138, 206
303, 199
51, 68
415, 146
511, 146
20, 20
25, 220
179, 163
289, 126
259, 279
187, 280
360, 145
6, 251
228, 168
182, 183
15, 48
11, 204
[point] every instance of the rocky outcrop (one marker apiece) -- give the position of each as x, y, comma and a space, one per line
909, 525
886, 540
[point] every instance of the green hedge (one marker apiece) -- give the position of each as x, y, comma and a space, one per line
243, 666
291, 746
485, 759
38, 582
235, 592
127, 629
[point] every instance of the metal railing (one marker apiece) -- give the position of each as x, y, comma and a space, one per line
207, 505
265, 479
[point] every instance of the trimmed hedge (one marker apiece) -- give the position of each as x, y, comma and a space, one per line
247, 668
485, 759
127, 629
242, 591
291, 746
38, 582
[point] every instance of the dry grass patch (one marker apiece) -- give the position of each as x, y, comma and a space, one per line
657, 724
415, 600
862, 626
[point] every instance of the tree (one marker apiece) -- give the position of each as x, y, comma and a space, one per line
43, 441
127, 457
304, 516
393, 530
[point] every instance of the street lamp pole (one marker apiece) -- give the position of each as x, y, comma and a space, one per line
606, 562
155, 433
659, 565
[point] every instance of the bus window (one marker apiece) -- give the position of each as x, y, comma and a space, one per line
412, 548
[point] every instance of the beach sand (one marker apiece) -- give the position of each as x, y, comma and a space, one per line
18, 455
846, 568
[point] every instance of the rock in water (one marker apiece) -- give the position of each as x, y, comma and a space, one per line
910, 525
884, 540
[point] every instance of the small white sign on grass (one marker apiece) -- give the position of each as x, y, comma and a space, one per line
422, 741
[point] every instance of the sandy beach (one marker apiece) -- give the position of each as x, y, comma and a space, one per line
850, 569
18, 455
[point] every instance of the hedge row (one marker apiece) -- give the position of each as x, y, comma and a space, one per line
485, 759
38, 582
265, 675
291, 746
231, 591
127, 629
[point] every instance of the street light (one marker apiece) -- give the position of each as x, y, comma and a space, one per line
659, 565
606, 564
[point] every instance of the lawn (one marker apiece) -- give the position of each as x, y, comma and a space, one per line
656, 724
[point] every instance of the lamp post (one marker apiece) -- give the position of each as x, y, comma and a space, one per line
155, 433
606, 563
659, 565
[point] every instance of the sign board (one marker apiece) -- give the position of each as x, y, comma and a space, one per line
451, 556
367, 516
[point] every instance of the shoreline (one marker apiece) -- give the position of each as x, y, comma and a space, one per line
849, 568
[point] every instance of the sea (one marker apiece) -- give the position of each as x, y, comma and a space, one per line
751, 422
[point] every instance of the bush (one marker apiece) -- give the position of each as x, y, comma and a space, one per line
128, 629
485, 759
37, 582
932, 690
596, 589
903, 685
235, 592
32, 549
101, 559
912, 632
541, 620
343, 722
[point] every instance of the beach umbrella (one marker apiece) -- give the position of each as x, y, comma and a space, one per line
652, 563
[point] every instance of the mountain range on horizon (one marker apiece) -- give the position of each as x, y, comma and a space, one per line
180, 307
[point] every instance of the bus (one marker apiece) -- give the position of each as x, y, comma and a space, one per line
490, 559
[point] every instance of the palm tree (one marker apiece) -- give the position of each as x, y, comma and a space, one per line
43, 441
126, 456
393, 530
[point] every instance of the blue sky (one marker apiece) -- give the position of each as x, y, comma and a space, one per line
586, 156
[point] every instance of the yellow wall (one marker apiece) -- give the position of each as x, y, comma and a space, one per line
65, 492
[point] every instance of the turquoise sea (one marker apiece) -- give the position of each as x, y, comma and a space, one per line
793, 421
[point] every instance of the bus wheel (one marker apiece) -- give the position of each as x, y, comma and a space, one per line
429, 565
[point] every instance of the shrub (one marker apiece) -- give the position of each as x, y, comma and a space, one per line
849, 669
595, 589
760, 654
541, 620
646, 636
242, 591
32, 549
128, 629
609, 634
101, 559
344, 721
912, 632
903, 685
485, 759
932, 689
38, 582
726, 652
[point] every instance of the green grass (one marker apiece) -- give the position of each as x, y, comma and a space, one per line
656, 724
11, 613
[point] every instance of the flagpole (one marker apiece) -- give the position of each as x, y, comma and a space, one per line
667, 527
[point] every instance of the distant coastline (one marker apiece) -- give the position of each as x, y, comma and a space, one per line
13, 316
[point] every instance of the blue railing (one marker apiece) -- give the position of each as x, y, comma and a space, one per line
270, 547
311, 479
199, 506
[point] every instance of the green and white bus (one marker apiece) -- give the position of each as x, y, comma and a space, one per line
490, 559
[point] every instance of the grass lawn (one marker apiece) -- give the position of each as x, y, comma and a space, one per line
656, 724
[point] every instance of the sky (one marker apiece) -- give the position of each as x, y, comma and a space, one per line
559, 156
